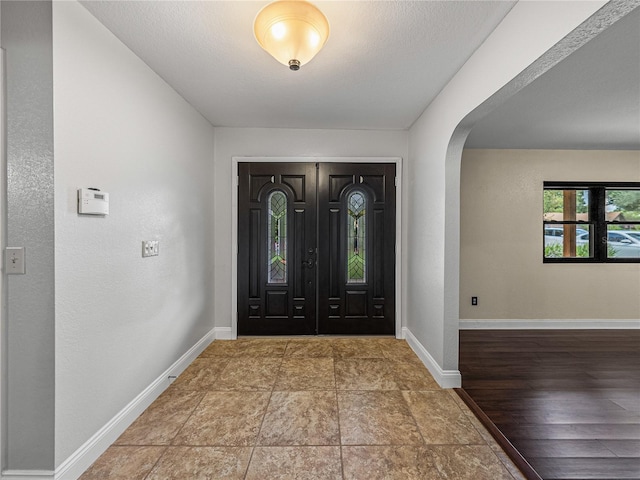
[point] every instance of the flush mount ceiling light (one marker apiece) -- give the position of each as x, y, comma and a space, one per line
291, 31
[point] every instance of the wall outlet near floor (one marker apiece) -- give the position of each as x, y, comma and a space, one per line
150, 248
474, 300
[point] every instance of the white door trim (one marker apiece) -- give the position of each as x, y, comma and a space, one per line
234, 223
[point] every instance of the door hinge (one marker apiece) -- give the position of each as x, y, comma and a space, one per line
395, 182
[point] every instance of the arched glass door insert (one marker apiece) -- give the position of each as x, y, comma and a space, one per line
277, 237
356, 237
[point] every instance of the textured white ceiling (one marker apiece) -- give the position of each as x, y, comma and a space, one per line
383, 63
590, 100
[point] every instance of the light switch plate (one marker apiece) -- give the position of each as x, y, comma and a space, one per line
14, 261
150, 248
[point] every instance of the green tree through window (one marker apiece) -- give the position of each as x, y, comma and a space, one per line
591, 222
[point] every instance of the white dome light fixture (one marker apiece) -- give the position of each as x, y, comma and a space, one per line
293, 32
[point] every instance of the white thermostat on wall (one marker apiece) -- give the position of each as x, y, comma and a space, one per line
91, 201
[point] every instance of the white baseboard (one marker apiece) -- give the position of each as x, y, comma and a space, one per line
88, 453
548, 323
27, 475
222, 333
445, 378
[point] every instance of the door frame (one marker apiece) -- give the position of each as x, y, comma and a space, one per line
234, 224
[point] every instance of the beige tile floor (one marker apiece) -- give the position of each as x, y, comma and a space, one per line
305, 409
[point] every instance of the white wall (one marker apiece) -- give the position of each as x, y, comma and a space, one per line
121, 319
231, 142
501, 239
436, 139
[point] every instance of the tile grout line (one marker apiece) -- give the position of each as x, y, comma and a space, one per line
266, 409
425, 445
424, 442
205, 393
166, 447
469, 415
252, 447
335, 384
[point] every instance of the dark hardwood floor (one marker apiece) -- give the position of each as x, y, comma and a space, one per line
567, 400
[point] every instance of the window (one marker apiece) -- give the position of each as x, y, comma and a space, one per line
277, 237
356, 238
589, 222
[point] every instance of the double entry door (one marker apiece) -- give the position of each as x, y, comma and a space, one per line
316, 248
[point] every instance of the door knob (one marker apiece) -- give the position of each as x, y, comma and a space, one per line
309, 263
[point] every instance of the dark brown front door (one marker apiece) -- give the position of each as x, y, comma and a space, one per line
276, 249
357, 225
316, 248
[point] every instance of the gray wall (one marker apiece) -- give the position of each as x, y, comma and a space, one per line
27, 38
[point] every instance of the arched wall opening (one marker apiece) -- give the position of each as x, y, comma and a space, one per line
533, 38
604, 18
